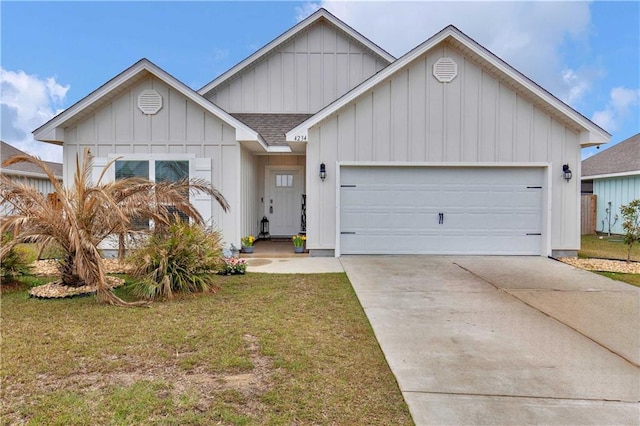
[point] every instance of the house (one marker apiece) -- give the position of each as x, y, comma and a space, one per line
27, 172
447, 149
613, 175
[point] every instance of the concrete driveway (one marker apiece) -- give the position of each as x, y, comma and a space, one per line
504, 340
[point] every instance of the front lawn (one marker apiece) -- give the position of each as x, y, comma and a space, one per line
604, 247
265, 349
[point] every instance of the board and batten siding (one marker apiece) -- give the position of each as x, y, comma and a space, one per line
180, 129
43, 185
308, 72
249, 194
619, 191
412, 117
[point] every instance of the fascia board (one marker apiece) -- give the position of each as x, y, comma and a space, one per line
279, 149
10, 172
612, 175
53, 128
321, 13
594, 134
599, 135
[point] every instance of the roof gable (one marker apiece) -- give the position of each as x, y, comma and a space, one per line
590, 133
319, 15
622, 158
53, 130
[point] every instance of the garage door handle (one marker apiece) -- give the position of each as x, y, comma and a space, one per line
534, 233
347, 233
440, 218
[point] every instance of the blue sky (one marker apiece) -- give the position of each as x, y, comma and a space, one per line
55, 53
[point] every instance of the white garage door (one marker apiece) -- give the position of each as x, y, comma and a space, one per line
435, 210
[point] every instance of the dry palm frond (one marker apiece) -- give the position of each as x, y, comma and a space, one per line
87, 213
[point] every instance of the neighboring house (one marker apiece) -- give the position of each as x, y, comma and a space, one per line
613, 175
28, 172
447, 149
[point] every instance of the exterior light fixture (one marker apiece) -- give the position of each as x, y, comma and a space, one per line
323, 172
566, 172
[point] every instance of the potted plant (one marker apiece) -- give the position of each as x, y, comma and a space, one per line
247, 243
298, 243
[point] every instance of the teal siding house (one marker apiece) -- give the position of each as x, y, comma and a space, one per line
613, 175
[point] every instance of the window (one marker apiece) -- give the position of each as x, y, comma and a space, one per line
157, 171
284, 181
173, 171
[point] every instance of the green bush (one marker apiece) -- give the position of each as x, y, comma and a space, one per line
16, 261
179, 258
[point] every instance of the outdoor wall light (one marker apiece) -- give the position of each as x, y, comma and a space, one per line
323, 172
566, 171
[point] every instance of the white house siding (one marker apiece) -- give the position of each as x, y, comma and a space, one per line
619, 191
412, 117
43, 186
307, 73
249, 194
180, 129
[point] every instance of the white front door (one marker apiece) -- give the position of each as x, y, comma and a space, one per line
283, 202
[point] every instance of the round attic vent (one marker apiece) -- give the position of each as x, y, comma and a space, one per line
149, 102
445, 70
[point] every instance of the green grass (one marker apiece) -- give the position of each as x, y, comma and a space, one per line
633, 279
265, 349
601, 246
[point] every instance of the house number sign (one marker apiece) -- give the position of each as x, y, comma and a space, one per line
301, 138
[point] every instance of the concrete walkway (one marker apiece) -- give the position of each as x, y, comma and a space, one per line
504, 340
294, 265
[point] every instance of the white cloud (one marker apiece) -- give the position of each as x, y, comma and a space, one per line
621, 102
530, 35
27, 102
305, 10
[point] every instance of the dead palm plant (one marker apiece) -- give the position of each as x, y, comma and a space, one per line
86, 213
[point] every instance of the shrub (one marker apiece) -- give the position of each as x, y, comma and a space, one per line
178, 258
16, 261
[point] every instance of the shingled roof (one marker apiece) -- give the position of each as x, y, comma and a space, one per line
7, 151
620, 158
272, 127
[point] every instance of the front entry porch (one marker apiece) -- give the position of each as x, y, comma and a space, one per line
274, 248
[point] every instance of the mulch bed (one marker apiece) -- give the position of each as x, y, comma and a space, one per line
56, 290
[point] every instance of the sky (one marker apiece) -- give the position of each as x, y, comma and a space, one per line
53, 54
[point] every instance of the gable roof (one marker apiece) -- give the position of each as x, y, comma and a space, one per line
591, 134
320, 14
620, 159
25, 169
53, 130
272, 127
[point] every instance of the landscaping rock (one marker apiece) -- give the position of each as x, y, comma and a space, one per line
603, 265
50, 267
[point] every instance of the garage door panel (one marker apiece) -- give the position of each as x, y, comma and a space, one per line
485, 210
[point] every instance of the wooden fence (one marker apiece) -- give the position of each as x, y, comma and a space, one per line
588, 206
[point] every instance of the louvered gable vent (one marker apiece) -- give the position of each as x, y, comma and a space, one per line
150, 102
445, 70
